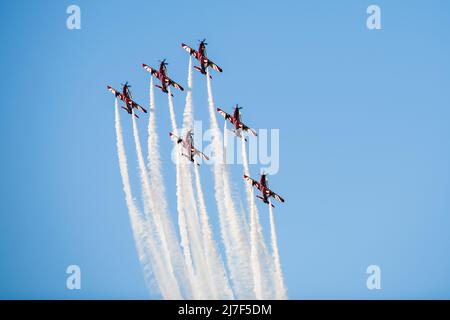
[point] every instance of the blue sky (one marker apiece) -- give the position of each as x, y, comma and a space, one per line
363, 119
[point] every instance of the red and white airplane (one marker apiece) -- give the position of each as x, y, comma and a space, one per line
127, 98
236, 120
162, 76
188, 144
200, 55
262, 185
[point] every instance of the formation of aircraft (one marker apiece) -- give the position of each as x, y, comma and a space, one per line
127, 98
235, 119
188, 142
162, 76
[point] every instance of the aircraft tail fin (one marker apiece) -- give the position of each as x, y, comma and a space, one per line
265, 201
201, 71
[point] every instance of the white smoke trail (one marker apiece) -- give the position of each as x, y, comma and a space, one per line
264, 263
188, 115
216, 267
218, 281
173, 120
255, 230
234, 237
185, 241
193, 223
198, 246
280, 289
189, 107
144, 247
149, 208
193, 240
183, 266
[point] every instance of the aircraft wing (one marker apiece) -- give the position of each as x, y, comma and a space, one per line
248, 129
190, 50
116, 93
270, 193
253, 182
175, 138
137, 106
224, 114
214, 66
175, 85
199, 153
151, 70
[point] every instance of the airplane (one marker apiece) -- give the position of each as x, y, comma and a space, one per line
200, 55
262, 185
188, 144
162, 76
235, 119
127, 98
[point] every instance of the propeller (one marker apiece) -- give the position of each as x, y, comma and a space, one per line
126, 85
163, 62
237, 107
263, 173
203, 41
266, 179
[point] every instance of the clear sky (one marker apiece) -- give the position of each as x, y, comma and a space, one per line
364, 137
